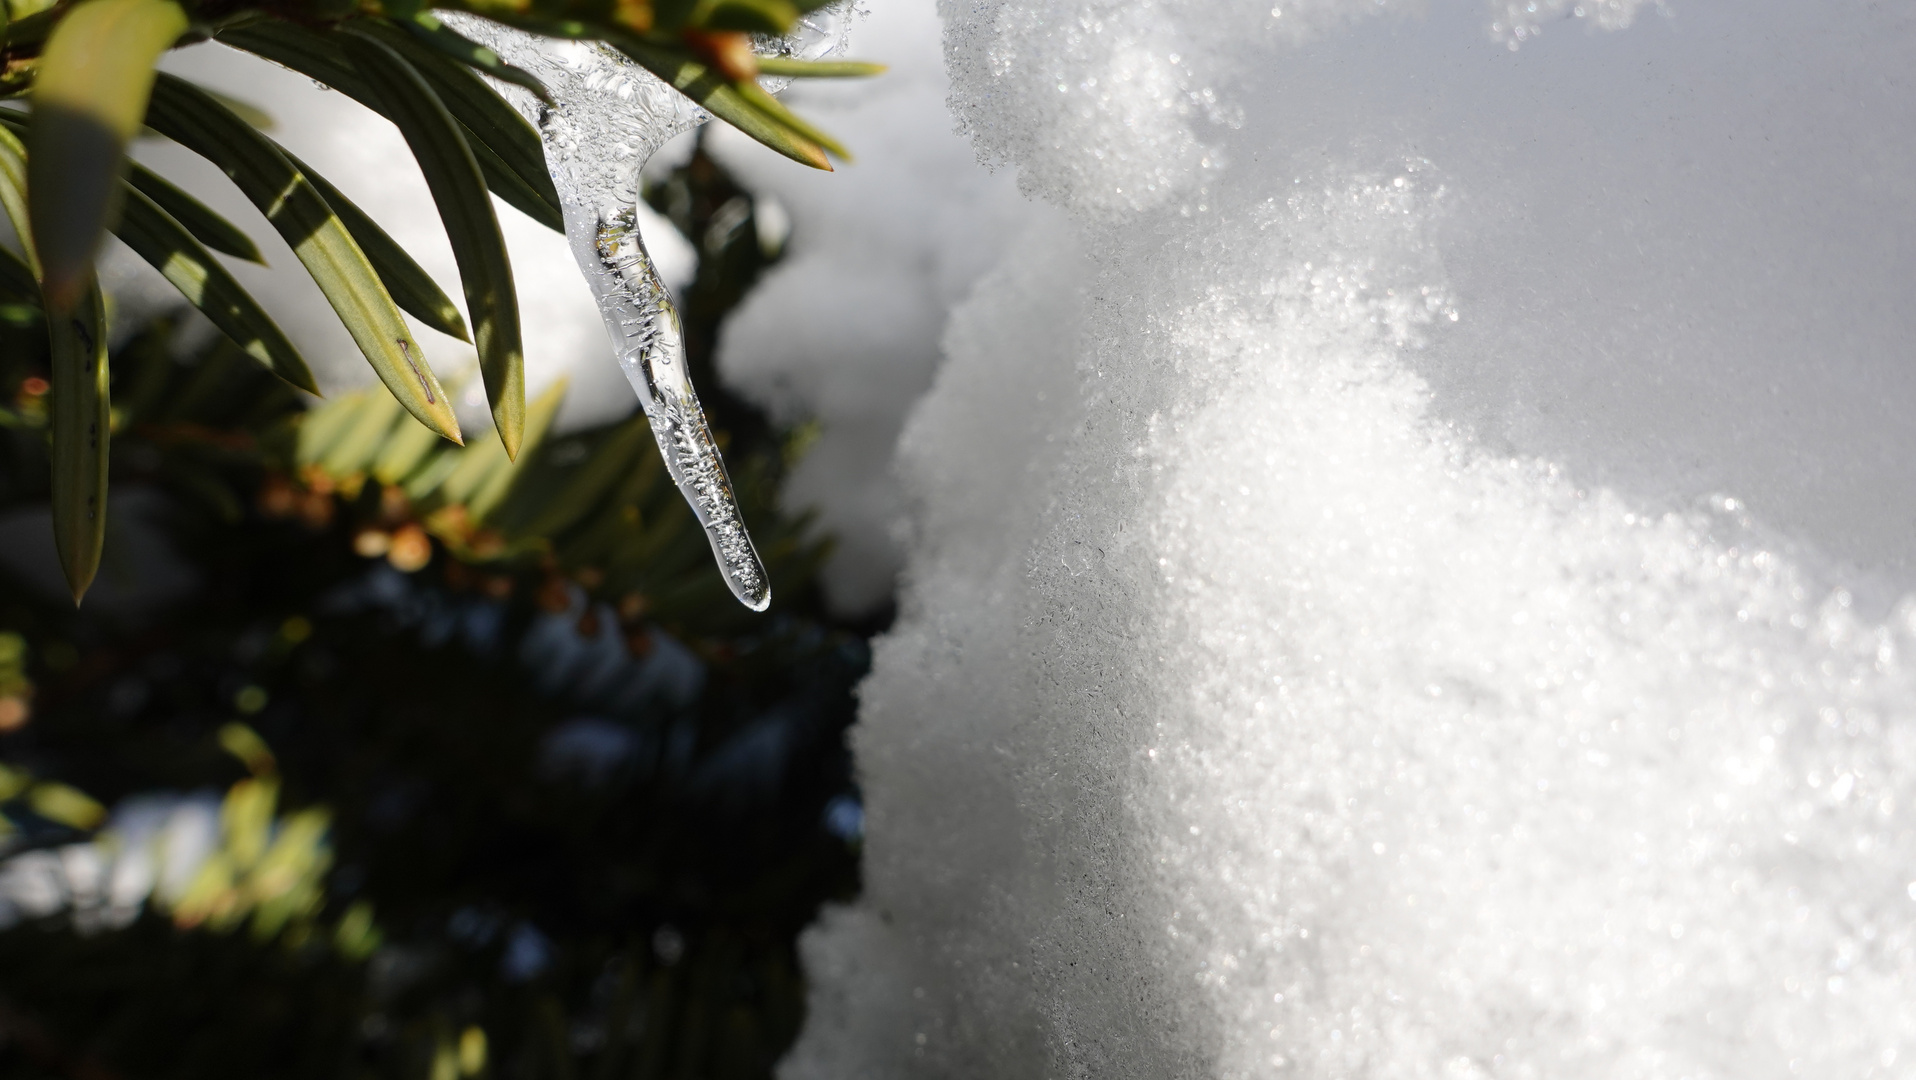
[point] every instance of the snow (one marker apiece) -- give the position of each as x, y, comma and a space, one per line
1405, 558
152, 847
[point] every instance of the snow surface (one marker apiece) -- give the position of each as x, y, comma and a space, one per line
1404, 563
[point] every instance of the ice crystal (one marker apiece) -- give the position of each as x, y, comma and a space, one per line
608, 115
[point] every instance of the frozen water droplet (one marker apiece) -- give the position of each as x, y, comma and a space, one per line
609, 115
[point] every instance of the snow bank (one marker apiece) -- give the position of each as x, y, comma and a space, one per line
1326, 650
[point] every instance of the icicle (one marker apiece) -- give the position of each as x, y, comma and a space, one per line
609, 115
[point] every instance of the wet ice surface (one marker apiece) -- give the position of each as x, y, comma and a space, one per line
1295, 681
608, 116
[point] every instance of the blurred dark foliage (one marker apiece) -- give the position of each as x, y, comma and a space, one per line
587, 824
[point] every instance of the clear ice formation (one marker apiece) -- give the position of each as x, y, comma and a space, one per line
608, 116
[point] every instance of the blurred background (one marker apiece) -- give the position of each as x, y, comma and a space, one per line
372, 756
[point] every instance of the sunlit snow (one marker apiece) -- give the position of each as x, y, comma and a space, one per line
1406, 564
